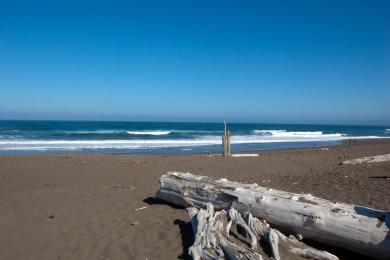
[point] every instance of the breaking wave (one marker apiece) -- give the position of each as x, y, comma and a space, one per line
93, 132
30, 145
98, 144
104, 132
156, 132
126, 136
297, 134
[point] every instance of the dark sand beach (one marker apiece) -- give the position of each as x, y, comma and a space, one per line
103, 206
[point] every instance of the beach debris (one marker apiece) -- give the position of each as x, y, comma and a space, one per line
230, 235
135, 223
141, 208
324, 149
369, 159
245, 155
121, 187
356, 228
51, 216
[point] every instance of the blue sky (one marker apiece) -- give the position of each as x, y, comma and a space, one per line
246, 61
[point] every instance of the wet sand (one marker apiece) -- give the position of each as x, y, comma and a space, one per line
92, 206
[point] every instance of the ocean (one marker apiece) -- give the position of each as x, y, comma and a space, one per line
20, 137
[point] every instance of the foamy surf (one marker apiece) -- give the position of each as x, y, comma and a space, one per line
51, 136
99, 144
148, 132
113, 131
62, 145
298, 134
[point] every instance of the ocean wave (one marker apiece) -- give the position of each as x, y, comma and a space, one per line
387, 130
8, 130
154, 132
10, 137
268, 131
30, 145
119, 131
297, 134
112, 131
167, 132
98, 144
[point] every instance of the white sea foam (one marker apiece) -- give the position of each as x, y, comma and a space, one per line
118, 131
387, 130
30, 145
98, 144
271, 132
297, 134
167, 132
154, 132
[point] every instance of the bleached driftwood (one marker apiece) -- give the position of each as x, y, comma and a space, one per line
369, 159
227, 235
356, 228
245, 155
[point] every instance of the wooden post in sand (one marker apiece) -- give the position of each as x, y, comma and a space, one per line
226, 151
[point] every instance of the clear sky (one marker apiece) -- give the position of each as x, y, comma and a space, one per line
249, 61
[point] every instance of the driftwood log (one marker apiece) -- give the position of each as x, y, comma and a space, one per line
369, 159
355, 228
228, 235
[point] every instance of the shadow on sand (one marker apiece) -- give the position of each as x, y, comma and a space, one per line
154, 201
187, 236
380, 177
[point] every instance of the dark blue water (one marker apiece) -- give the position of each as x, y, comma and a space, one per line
158, 137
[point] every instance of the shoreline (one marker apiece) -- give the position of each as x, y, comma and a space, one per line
72, 206
190, 150
318, 144
58, 137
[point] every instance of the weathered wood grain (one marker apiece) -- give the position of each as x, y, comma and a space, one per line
353, 227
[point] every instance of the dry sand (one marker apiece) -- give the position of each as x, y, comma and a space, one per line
85, 206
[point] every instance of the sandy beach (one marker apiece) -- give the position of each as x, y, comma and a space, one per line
102, 206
